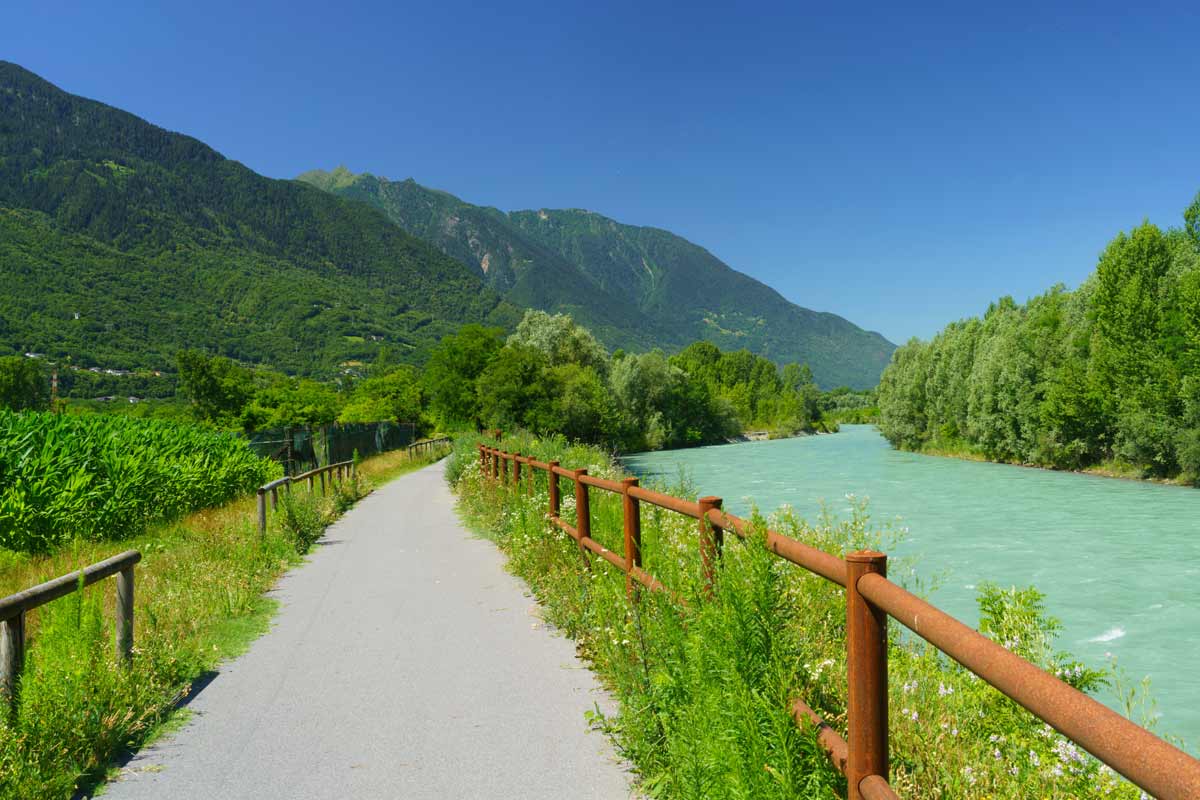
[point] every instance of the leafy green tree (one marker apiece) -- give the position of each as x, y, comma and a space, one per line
217, 388
513, 391
395, 396
1191, 219
292, 403
561, 340
23, 384
454, 367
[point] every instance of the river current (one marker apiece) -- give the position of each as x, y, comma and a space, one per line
1118, 561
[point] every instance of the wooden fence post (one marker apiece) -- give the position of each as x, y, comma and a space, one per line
125, 615
711, 540
12, 656
532, 476
274, 498
583, 515
555, 501
516, 470
866, 671
632, 513
262, 513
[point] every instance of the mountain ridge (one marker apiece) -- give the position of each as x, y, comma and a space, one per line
124, 242
632, 284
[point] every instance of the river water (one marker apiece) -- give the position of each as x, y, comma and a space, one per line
1118, 561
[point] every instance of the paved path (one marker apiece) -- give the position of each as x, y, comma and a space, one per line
404, 663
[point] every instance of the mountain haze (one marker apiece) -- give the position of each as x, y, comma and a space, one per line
121, 242
634, 286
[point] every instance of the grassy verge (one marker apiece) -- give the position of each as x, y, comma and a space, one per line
199, 600
703, 686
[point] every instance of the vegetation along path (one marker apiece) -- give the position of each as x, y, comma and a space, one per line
404, 662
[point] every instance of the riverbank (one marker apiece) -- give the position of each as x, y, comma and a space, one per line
1106, 469
704, 684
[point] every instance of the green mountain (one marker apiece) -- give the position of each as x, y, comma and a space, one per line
632, 286
121, 242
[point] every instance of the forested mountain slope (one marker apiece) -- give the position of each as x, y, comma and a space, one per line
121, 242
633, 286
1108, 374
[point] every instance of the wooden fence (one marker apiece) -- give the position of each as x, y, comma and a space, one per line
335, 472
1156, 766
13, 608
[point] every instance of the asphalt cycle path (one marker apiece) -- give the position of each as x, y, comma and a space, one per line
404, 662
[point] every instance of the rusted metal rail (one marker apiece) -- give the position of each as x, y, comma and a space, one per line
1147, 761
14, 607
334, 473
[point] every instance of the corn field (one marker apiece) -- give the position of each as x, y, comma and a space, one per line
107, 477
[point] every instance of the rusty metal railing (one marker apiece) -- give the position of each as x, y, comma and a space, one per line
1156, 766
14, 607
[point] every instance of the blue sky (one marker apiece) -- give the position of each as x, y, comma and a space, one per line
900, 165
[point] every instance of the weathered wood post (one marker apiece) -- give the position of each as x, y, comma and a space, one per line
711, 539
555, 501
495, 464
866, 671
516, 470
12, 656
274, 498
262, 512
482, 458
310, 483
583, 515
532, 477
322, 476
632, 513
125, 615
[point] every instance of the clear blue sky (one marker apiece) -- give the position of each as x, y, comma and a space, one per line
899, 165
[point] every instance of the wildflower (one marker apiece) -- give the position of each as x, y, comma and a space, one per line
944, 690
1033, 758
996, 754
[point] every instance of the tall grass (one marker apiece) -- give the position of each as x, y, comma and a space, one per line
704, 685
107, 477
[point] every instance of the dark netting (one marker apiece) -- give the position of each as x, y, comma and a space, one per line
301, 449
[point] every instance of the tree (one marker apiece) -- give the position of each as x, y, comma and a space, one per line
454, 368
513, 391
292, 403
1191, 219
395, 396
23, 384
217, 388
561, 341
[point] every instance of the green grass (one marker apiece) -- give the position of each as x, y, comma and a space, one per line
703, 688
199, 600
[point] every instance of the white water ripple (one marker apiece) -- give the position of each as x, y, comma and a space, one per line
1109, 635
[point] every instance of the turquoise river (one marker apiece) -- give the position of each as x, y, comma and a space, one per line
1118, 561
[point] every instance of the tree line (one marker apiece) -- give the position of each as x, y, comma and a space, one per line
550, 376
1106, 375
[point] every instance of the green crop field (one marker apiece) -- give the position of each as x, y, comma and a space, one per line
107, 477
